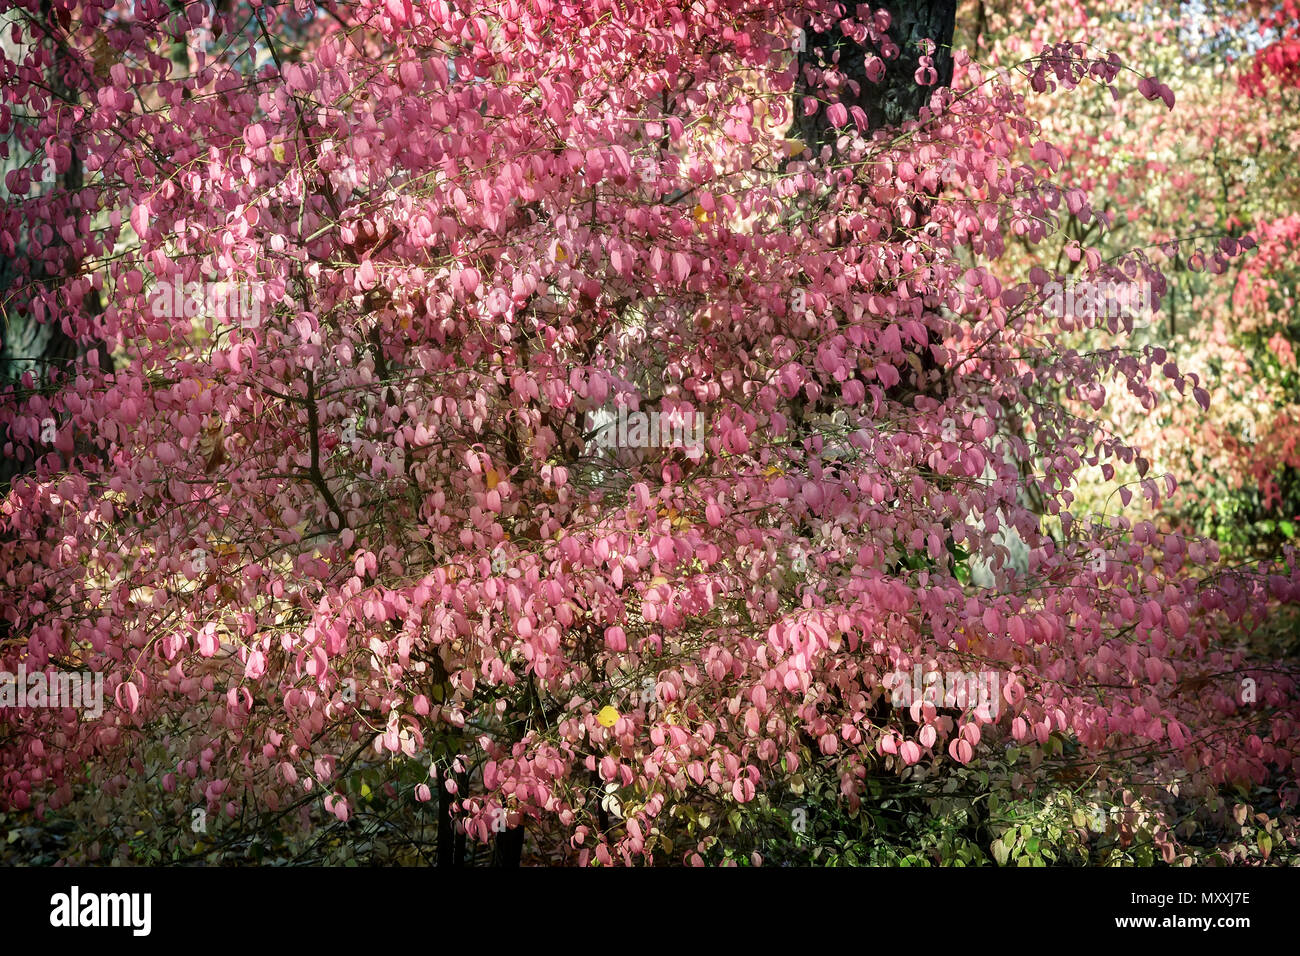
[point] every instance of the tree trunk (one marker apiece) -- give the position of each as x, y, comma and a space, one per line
896, 97
26, 345
892, 100
508, 847
446, 829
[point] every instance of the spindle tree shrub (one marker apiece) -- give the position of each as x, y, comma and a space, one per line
342, 532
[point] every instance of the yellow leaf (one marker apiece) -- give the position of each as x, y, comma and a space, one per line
607, 717
103, 56
277, 150
493, 479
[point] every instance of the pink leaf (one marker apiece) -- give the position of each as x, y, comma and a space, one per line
743, 789
128, 696
681, 266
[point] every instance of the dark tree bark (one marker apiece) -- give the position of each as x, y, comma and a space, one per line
896, 97
25, 345
458, 854
41, 348
508, 847
446, 828
892, 100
